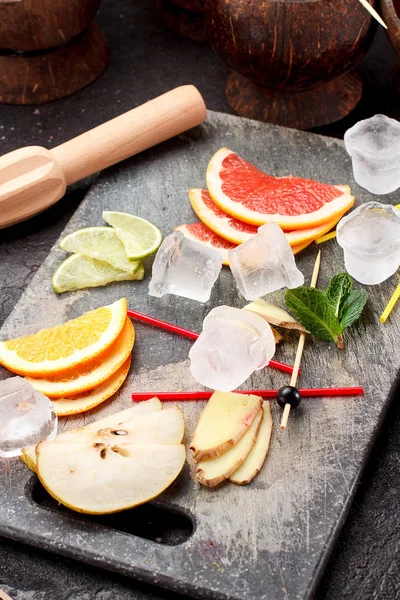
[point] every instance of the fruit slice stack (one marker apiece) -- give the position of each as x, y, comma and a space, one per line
240, 198
79, 364
232, 438
101, 255
115, 463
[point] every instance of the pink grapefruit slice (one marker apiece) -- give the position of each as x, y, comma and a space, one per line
203, 234
237, 231
245, 192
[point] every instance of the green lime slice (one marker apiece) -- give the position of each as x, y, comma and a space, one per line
79, 271
101, 243
139, 237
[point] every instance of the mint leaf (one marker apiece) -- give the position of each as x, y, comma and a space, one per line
313, 309
353, 307
327, 314
338, 292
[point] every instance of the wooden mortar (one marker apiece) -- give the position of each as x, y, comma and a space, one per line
292, 58
49, 49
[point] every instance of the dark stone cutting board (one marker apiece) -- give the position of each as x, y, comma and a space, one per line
268, 540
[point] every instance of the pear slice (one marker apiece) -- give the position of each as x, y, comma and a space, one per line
212, 471
161, 427
138, 410
100, 479
225, 419
257, 455
274, 315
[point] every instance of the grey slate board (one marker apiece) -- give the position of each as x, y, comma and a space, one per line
268, 540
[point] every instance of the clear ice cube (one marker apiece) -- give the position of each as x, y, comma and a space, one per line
374, 146
185, 268
370, 238
233, 344
264, 263
27, 417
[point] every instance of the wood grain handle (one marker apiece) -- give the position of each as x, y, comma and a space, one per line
130, 133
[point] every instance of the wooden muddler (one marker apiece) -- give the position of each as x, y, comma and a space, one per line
33, 178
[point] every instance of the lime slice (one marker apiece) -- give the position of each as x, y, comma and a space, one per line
79, 271
139, 237
101, 243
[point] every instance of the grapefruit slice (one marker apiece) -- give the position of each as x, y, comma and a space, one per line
237, 231
92, 374
245, 192
63, 347
203, 234
74, 405
300, 247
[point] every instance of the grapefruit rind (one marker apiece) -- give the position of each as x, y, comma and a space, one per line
221, 223
65, 407
92, 374
300, 247
327, 212
11, 359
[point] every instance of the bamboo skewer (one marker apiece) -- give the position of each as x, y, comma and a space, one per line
300, 347
373, 12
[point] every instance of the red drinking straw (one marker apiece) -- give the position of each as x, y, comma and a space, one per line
204, 395
191, 334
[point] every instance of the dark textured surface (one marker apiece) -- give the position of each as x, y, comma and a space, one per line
147, 60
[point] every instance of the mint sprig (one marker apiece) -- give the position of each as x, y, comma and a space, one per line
326, 314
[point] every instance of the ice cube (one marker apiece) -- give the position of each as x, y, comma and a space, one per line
27, 417
370, 238
233, 344
185, 268
264, 263
374, 146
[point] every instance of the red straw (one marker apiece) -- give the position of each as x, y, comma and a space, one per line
204, 395
192, 335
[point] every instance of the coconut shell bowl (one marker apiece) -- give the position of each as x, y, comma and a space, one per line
48, 49
292, 60
391, 15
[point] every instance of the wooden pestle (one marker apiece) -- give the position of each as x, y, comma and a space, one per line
33, 178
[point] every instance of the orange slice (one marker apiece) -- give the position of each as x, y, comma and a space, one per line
92, 374
66, 407
63, 347
203, 234
236, 231
245, 192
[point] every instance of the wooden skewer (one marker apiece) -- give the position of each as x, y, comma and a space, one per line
373, 12
300, 347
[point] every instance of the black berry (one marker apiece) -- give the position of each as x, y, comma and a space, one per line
288, 395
